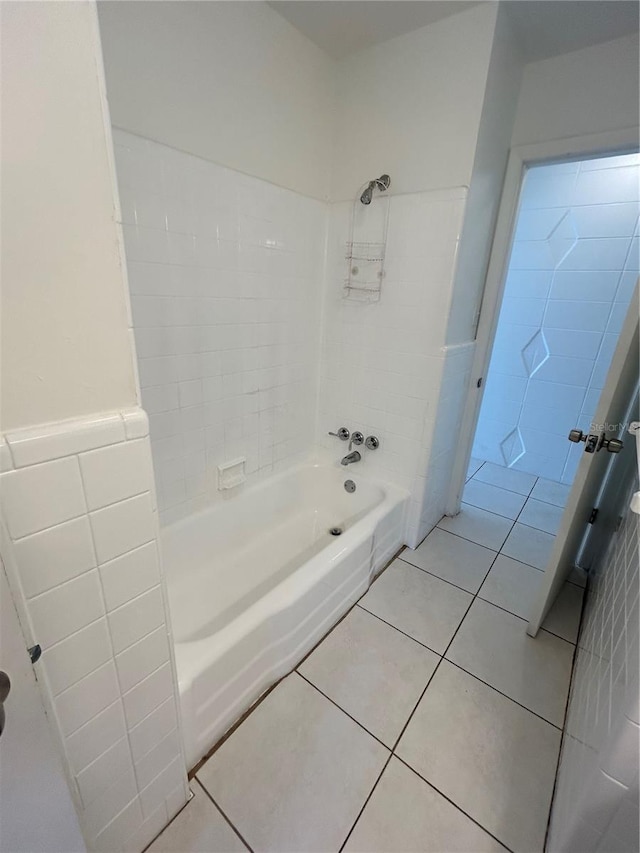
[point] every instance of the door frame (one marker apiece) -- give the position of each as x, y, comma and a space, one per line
521, 157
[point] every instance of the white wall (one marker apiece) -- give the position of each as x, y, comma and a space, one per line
231, 82
226, 283
489, 166
572, 271
411, 106
65, 345
587, 91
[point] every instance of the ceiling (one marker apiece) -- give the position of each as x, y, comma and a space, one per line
543, 28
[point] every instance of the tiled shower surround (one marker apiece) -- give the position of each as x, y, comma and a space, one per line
385, 368
232, 281
572, 272
225, 273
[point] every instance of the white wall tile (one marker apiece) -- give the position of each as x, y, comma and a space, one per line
87, 697
95, 737
114, 473
65, 609
52, 441
78, 655
130, 575
161, 756
161, 787
98, 814
122, 526
66, 596
97, 776
148, 695
152, 729
136, 619
226, 280
599, 762
27, 496
142, 658
55, 555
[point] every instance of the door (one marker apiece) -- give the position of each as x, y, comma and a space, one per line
591, 483
36, 810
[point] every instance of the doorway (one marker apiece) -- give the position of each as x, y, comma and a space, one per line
570, 279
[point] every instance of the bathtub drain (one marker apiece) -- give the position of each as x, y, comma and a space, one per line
335, 531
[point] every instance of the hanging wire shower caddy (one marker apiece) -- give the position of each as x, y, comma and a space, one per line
365, 258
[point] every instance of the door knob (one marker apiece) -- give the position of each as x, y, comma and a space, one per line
5, 688
594, 443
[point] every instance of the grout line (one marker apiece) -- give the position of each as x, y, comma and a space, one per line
453, 803
224, 815
506, 696
471, 540
340, 708
364, 805
399, 630
566, 715
175, 817
439, 578
517, 615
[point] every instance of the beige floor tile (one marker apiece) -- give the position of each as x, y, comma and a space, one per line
362, 663
550, 492
529, 546
198, 828
506, 478
424, 607
452, 558
406, 814
474, 467
295, 774
496, 760
479, 526
512, 585
541, 515
494, 646
493, 499
564, 617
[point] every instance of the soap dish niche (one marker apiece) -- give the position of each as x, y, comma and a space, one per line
231, 474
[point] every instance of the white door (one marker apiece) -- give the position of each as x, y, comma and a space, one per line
36, 810
591, 485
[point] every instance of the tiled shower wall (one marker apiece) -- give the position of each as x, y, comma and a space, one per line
383, 363
596, 804
225, 273
78, 501
572, 272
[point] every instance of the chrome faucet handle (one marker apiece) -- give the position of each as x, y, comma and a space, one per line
342, 434
372, 442
356, 438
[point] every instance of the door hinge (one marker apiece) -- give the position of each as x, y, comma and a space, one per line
35, 652
593, 516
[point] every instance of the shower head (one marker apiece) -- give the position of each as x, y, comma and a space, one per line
382, 183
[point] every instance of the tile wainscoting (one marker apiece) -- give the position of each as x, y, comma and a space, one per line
80, 547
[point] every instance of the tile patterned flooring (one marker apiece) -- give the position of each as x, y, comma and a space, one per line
427, 720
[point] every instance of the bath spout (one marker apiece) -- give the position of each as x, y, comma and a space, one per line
354, 456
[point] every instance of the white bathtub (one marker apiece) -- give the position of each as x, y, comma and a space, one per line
256, 580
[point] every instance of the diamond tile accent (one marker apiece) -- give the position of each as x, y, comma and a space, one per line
563, 238
512, 447
535, 352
